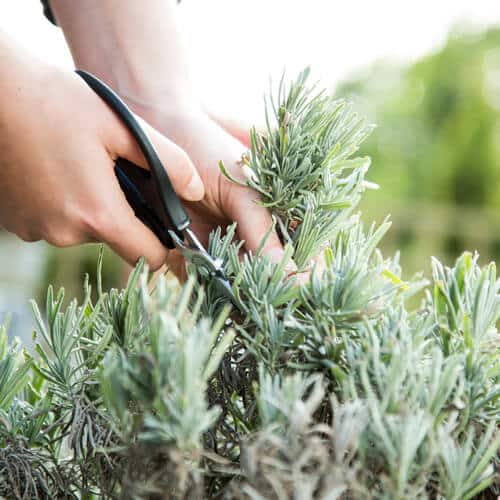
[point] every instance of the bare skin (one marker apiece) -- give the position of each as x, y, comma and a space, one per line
136, 47
58, 142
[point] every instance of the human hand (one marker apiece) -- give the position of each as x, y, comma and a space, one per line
58, 143
138, 50
207, 142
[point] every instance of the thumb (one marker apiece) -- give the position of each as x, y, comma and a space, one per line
237, 128
254, 222
183, 174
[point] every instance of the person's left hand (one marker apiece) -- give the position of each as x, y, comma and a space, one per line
138, 50
207, 142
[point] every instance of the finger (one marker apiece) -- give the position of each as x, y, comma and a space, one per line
126, 234
176, 264
239, 129
183, 174
254, 223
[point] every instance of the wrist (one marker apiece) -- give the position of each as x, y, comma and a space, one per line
167, 98
137, 49
165, 109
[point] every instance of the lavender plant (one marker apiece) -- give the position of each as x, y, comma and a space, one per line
334, 388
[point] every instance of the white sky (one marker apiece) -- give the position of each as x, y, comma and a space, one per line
236, 45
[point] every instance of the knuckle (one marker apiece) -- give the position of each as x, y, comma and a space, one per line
68, 231
63, 237
63, 240
155, 263
29, 236
156, 260
99, 223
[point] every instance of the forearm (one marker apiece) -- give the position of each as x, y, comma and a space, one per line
133, 46
12, 60
136, 47
22, 73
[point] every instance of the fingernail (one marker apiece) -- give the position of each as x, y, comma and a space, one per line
195, 189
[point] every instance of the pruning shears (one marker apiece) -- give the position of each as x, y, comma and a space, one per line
153, 198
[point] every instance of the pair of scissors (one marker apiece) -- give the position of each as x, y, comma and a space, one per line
153, 198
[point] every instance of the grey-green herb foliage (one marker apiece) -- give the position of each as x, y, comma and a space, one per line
326, 385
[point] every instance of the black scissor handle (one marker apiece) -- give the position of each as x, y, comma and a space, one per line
139, 188
150, 193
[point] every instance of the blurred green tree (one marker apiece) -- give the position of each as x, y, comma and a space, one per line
436, 151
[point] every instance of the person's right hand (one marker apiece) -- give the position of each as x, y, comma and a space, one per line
58, 143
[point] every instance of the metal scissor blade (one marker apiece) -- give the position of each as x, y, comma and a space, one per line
195, 252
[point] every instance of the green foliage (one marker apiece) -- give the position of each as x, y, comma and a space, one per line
436, 152
326, 385
438, 141
168, 382
301, 166
13, 371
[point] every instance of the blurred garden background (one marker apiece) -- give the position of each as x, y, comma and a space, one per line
428, 75
436, 149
